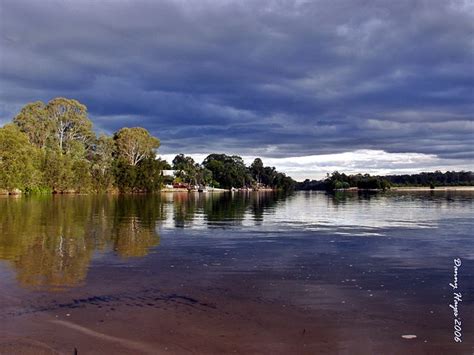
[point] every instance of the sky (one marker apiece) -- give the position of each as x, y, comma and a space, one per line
310, 86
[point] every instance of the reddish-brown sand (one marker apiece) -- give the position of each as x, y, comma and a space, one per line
229, 318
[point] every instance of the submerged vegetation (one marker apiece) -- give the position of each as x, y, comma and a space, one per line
53, 148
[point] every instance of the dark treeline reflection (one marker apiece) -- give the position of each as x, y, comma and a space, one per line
225, 209
436, 197
50, 240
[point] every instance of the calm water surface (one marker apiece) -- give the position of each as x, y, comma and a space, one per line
246, 273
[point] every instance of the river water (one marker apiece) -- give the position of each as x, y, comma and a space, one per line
245, 273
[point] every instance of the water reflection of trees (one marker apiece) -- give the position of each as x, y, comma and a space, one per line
226, 208
344, 197
184, 208
51, 240
222, 209
262, 203
134, 224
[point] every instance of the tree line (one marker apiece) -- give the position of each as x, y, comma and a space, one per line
230, 171
437, 178
336, 181
52, 147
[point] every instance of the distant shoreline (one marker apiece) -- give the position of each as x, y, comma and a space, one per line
164, 190
403, 189
217, 190
437, 188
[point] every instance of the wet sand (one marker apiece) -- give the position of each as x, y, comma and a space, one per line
175, 325
211, 314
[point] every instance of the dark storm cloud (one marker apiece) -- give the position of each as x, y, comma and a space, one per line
302, 78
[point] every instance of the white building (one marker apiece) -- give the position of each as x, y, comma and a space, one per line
168, 172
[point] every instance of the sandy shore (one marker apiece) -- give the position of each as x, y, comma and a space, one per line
221, 319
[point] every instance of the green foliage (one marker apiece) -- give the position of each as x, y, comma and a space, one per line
70, 172
58, 171
186, 169
366, 182
81, 175
203, 176
18, 160
52, 147
148, 175
136, 169
63, 133
339, 181
257, 170
135, 144
39, 190
228, 171
125, 176
268, 176
58, 124
437, 178
70, 123
102, 164
33, 120
191, 172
